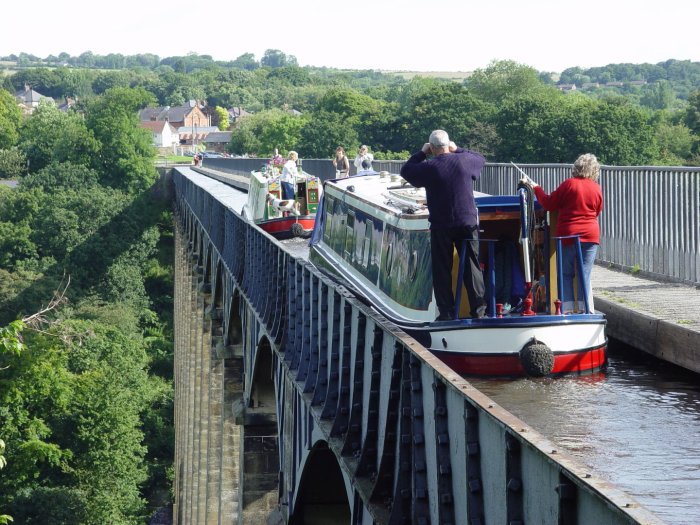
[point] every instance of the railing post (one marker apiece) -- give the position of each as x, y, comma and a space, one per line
491, 276
581, 274
460, 277
560, 271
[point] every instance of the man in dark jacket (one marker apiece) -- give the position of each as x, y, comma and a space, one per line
448, 179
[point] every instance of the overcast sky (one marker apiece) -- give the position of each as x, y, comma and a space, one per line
549, 35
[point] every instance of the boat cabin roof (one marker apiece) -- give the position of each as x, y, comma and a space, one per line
397, 196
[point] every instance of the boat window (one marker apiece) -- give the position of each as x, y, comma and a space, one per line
338, 234
367, 243
412, 265
389, 258
328, 223
349, 236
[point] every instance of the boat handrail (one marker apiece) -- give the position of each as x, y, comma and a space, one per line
491, 311
400, 204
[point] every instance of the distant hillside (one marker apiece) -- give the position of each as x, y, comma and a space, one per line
682, 75
448, 75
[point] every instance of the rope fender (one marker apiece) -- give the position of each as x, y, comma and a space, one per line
537, 358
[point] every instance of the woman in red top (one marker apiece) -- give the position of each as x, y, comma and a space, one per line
579, 201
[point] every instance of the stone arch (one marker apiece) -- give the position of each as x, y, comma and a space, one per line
260, 477
262, 394
234, 326
322, 497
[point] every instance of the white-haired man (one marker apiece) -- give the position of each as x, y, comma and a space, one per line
448, 181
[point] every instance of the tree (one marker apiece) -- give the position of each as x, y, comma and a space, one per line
10, 117
13, 163
10, 343
526, 127
50, 135
57, 177
675, 144
451, 107
625, 136
504, 79
4, 518
246, 61
692, 113
658, 95
126, 153
263, 132
322, 133
109, 79
75, 426
221, 116
276, 58
292, 75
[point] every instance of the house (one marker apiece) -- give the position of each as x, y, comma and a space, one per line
590, 85
566, 87
189, 114
165, 136
638, 82
28, 99
193, 135
235, 113
217, 140
614, 84
67, 104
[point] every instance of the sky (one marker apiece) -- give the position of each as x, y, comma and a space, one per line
397, 35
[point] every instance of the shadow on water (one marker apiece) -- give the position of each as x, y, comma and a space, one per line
636, 424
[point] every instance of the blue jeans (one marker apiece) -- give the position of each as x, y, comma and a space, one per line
287, 190
588, 251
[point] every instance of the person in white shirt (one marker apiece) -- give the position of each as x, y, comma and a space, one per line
363, 161
289, 175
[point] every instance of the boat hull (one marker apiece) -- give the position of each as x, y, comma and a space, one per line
503, 346
288, 227
584, 361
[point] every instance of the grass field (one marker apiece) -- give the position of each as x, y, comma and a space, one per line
173, 159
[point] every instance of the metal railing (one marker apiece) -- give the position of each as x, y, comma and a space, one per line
651, 215
650, 220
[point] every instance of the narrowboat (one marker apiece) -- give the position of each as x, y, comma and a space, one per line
372, 234
282, 219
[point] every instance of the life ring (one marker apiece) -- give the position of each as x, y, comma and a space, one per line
537, 358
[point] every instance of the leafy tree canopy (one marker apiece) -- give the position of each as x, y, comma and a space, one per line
263, 132
504, 79
51, 135
276, 58
10, 117
126, 153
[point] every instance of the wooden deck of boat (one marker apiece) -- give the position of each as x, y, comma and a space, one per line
658, 317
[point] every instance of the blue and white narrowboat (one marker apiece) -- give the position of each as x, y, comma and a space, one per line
372, 234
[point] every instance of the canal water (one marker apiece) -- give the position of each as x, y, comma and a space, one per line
636, 424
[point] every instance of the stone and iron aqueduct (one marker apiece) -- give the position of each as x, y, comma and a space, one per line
297, 403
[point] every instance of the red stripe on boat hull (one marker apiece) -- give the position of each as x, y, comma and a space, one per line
279, 227
509, 365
